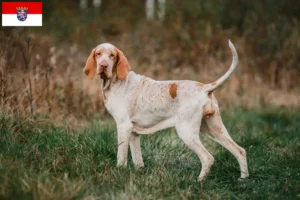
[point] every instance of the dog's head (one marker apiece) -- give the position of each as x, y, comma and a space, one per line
105, 60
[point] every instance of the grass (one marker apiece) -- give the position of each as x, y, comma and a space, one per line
48, 162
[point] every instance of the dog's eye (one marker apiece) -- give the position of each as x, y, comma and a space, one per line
98, 54
112, 56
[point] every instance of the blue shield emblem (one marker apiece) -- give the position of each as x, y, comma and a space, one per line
22, 14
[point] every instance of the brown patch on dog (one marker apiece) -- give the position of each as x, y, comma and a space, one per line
90, 66
200, 84
208, 109
207, 113
214, 83
123, 66
173, 90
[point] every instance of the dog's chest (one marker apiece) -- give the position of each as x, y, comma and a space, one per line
116, 105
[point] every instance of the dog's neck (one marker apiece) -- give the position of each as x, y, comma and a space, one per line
109, 85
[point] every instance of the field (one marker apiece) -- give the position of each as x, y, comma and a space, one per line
57, 140
40, 160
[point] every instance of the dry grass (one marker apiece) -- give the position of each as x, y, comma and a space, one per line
38, 78
41, 77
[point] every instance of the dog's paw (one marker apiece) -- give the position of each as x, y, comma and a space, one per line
201, 179
243, 179
140, 166
122, 164
244, 175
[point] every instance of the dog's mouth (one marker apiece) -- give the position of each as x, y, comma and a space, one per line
103, 76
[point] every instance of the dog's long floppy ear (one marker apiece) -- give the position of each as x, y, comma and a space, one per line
123, 66
90, 66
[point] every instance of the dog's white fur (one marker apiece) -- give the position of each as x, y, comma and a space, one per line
141, 105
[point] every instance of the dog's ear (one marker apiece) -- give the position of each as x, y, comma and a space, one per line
122, 65
90, 66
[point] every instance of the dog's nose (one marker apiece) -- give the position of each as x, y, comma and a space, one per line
103, 64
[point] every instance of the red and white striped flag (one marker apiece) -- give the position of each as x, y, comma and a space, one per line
22, 14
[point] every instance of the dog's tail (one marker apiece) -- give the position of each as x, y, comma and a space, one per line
212, 86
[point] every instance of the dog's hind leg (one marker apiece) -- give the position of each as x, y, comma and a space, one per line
189, 134
217, 131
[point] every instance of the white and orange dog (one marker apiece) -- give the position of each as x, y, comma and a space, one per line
141, 105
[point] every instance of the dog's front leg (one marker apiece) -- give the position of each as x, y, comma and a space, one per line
124, 132
135, 148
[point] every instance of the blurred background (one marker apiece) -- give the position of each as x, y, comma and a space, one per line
41, 67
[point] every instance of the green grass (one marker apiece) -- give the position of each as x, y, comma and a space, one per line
48, 162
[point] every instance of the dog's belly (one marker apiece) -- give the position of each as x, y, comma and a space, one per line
149, 119
146, 116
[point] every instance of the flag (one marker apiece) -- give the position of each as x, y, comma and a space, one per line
21, 13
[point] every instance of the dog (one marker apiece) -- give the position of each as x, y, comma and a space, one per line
141, 105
